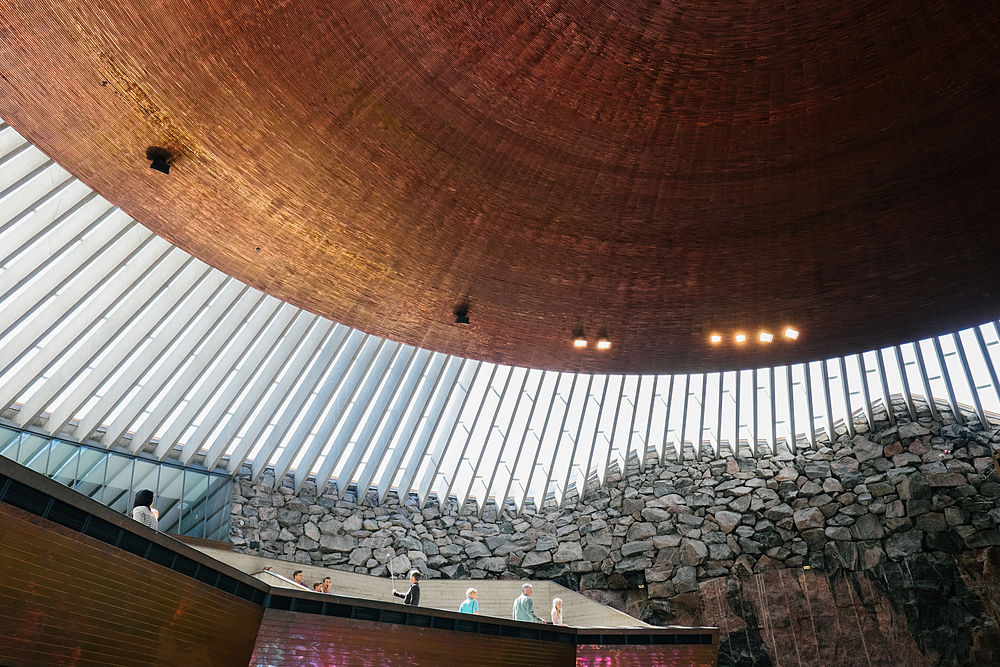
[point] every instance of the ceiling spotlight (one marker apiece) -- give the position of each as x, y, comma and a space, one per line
161, 166
603, 344
766, 337
740, 338
716, 338
461, 313
160, 158
579, 340
791, 333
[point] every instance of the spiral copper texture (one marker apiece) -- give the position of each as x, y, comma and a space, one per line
659, 170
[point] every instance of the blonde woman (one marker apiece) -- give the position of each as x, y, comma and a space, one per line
471, 604
557, 615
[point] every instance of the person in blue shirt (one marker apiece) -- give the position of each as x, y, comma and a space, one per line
471, 604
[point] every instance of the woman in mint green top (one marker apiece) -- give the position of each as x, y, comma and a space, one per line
471, 604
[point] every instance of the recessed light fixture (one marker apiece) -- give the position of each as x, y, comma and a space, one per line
791, 333
740, 338
604, 344
580, 342
766, 337
160, 158
716, 338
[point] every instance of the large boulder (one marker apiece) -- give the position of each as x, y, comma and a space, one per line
901, 545
808, 517
342, 543
569, 551
865, 449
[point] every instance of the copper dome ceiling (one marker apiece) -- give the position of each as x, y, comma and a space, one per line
658, 170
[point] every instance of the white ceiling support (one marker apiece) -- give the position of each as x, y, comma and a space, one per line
635, 402
192, 276
541, 438
226, 394
181, 372
39, 286
884, 386
950, 389
19, 166
793, 444
292, 395
564, 482
969, 381
70, 318
904, 379
64, 299
317, 406
649, 423
666, 421
718, 426
684, 418
343, 398
168, 358
489, 436
9, 139
39, 209
990, 367
501, 499
865, 394
828, 397
278, 358
701, 418
378, 406
355, 405
212, 363
462, 389
33, 251
602, 474
584, 474
101, 333
456, 377
406, 399
452, 478
755, 411
925, 379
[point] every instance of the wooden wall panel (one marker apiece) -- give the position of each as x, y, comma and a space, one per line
289, 638
680, 655
67, 599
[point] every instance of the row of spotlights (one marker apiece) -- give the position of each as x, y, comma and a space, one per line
765, 336
602, 343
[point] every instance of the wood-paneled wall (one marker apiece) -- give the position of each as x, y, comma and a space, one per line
291, 639
693, 655
68, 599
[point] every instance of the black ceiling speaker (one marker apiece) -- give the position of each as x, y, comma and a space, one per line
160, 158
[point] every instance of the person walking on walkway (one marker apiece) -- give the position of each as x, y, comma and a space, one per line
412, 596
524, 608
471, 604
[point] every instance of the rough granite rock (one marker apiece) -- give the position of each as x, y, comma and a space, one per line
856, 511
807, 518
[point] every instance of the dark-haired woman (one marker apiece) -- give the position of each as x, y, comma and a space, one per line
142, 510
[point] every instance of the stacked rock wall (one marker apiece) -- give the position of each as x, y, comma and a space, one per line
923, 494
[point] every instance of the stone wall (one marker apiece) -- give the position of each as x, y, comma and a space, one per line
923, 493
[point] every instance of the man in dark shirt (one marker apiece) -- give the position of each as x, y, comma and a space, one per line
412, 596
